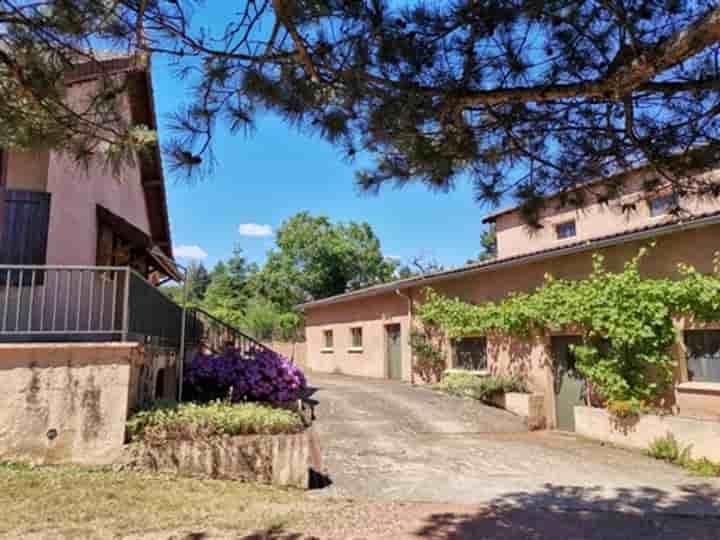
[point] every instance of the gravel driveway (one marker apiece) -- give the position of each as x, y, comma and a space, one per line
387, 440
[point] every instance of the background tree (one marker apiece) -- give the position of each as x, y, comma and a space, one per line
488, 243
523, 97
417, 266
198, 281
316, 258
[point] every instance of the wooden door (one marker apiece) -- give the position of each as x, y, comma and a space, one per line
569, 384
394, 351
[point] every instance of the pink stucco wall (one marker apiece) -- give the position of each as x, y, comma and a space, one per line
76, 191
593, 220
373, 316
531, 358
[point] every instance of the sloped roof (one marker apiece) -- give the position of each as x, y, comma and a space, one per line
639, 233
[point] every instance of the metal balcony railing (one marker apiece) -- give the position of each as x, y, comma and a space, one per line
103, 303
84, 303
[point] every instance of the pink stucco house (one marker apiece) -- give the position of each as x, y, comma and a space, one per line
365, 332
85, 334
56, 212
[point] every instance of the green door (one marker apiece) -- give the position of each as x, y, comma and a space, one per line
569, 384
394, 356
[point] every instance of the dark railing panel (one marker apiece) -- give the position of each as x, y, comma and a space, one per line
152, 314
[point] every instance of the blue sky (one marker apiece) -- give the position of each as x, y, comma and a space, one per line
267, 177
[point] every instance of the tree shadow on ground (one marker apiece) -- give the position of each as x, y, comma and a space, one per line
561, 512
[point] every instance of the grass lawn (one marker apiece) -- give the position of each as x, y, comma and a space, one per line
75, 502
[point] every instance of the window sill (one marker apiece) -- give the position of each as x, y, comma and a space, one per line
700, 386
355, 350
327, 350
478, 372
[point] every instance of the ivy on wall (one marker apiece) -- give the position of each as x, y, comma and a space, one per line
627, 321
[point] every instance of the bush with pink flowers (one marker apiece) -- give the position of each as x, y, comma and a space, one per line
257, 375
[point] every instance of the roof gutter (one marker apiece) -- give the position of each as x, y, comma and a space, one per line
497, 265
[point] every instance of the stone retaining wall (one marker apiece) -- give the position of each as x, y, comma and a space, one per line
529, 406
282, 460
639, 432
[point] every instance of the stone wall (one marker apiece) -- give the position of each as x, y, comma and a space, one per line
639, 432
68, 402
530, 406
282, 460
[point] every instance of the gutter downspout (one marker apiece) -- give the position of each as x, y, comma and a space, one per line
410, 321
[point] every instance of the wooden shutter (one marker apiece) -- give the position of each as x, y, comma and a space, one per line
26, 221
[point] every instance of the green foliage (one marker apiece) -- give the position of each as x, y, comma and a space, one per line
670, 450
478, 387
229, 289
626, 320
665, 448
166, 420
316, 258
702, 467
429, 362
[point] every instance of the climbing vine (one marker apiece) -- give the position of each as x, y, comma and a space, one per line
627, 321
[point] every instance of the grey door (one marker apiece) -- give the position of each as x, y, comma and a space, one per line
393, 354
569, 384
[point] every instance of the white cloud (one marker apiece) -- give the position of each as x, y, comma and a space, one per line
255, 229
394, 257
190, 252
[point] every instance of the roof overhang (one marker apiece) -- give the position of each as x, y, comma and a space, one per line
499, 264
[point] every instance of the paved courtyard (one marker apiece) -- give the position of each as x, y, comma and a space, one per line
389, 441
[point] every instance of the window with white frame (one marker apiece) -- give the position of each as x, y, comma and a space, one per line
703, 355
470, 353
564, 230
356, 338
328, 339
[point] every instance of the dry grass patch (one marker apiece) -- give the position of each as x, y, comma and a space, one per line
82, 502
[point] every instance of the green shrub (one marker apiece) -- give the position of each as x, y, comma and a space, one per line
702, 467
481, 388
668, 449
189, 421
665, 448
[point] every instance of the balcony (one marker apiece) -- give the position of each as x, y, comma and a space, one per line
40, 303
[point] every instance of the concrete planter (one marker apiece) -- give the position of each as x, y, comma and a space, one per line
638, 432
529, 406
282, 460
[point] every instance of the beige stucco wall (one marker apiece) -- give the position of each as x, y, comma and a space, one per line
296, 352
76, 191
68, 402
702, 435
593, 220
531, 358
372, 315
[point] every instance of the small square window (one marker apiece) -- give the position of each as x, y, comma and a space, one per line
356, 338
471, 353
662, 205
328, 339
565, 230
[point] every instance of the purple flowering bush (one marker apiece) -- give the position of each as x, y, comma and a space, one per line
257, 375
